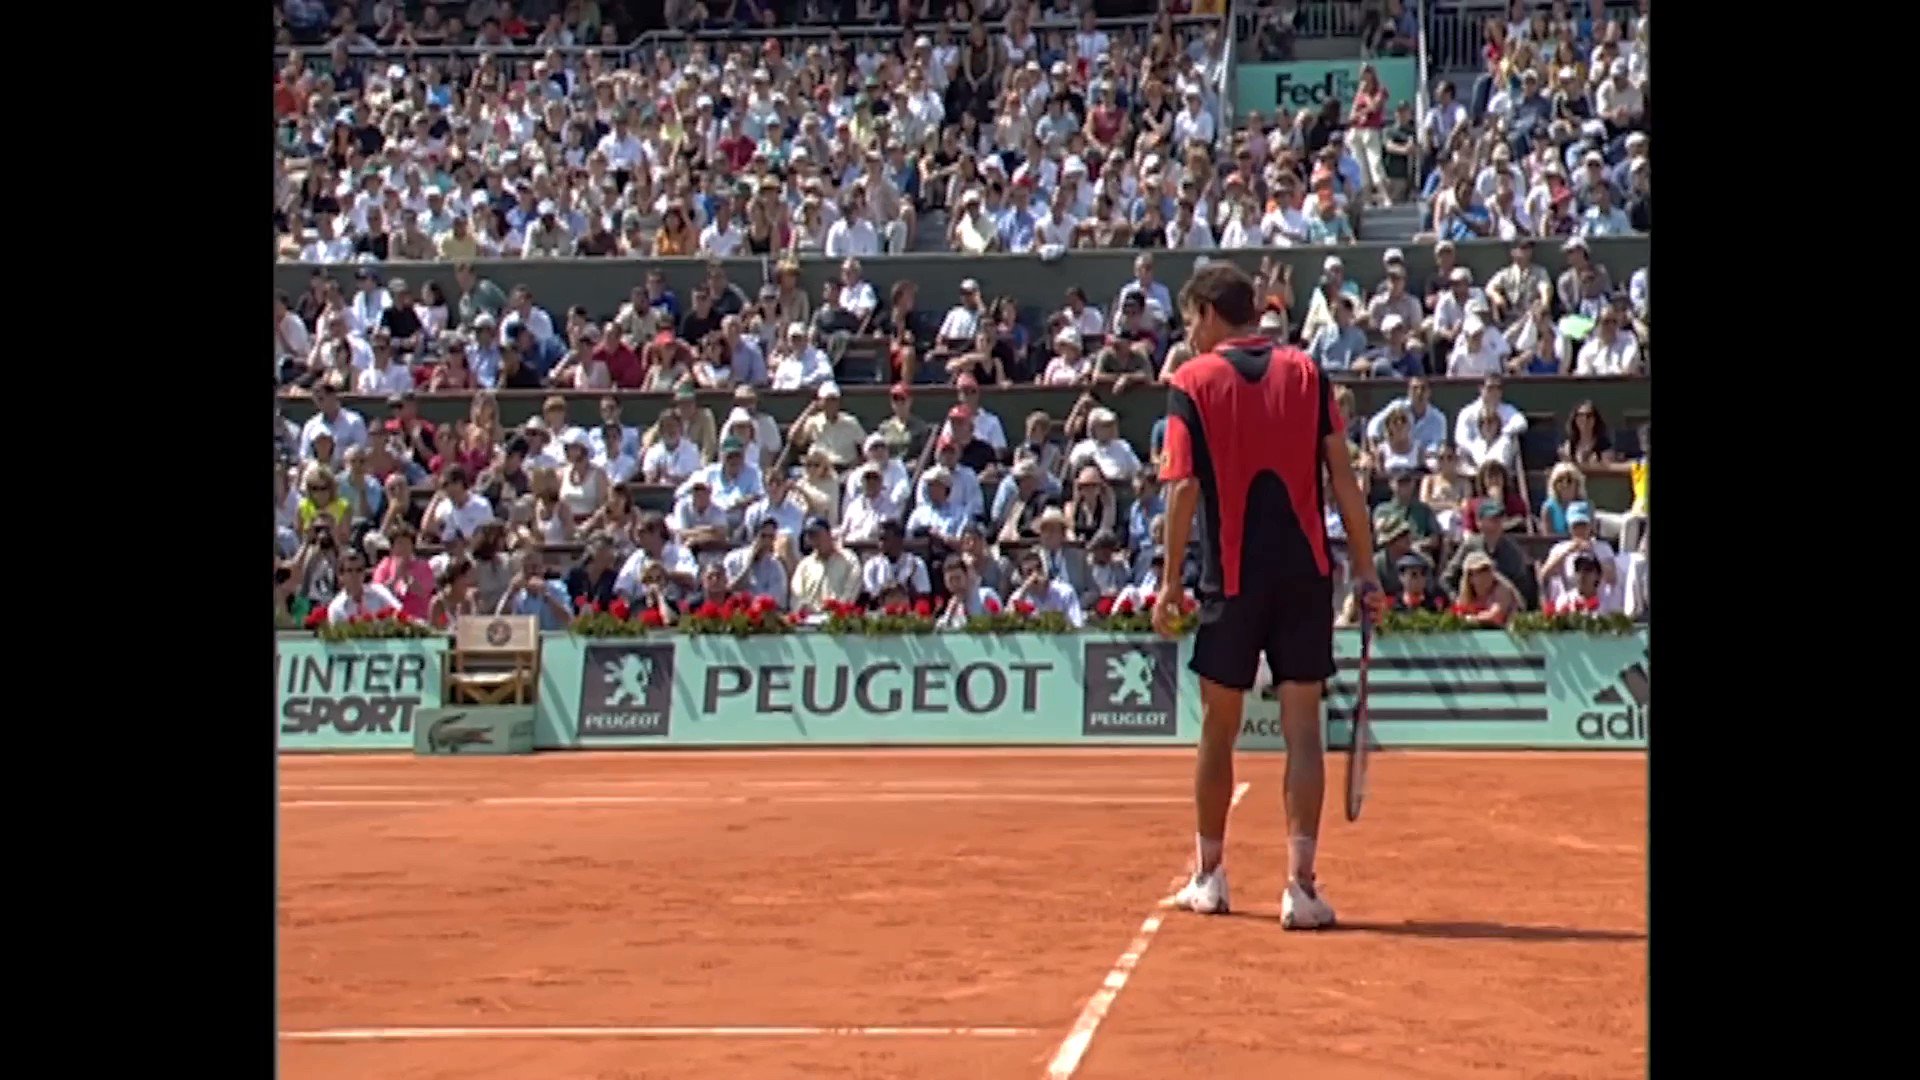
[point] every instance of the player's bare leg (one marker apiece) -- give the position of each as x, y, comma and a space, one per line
1303, 908
1220, 710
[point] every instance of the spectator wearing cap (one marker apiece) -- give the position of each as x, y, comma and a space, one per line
797, 363
756, 568
696, 520
1392, 297
1479, 350
967, 492
1403, 504
1589, 594
782, 503
1584, 284
1486, 595
1399, 356
654, 547
868, 506
343, 427
1333, 283
1105, 449
734, 482
986, 424
1490, 542
1109, 571
937, 514
973, 452
1069, 366
1037, 587
1558, 573
825, 426
483, 350
902, 430
894, 567
1520, 286
893, 474
593, 577
1418, 591
696, 424
826, 572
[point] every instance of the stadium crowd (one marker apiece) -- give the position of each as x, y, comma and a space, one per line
944, 500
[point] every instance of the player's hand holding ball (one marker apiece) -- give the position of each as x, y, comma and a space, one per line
1167, 611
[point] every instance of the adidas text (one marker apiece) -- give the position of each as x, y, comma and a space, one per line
1624, 726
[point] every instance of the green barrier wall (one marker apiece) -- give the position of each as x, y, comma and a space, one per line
604, 284
1444, 690
354, 695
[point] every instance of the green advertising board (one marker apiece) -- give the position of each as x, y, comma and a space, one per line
1307, 84
815, 689
361, 695
1486, 689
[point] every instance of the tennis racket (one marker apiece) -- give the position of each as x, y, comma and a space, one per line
1362, 744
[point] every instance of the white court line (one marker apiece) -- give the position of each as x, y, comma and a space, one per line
709, 800
1074, 1046
399, 1034
371, 787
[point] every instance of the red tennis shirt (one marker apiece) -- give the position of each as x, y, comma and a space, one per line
1249, 421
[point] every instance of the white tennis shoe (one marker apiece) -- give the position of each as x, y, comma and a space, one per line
1303, 910
1205, 894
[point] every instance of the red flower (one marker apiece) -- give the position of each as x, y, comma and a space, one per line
993, 606
389, 614
802, 613
709, 610
651, 617
583, 605
1124, 607
897, 608
1188, 604
763, 606
1103, 607
317, 617
620, 609
1022, 607
923, 607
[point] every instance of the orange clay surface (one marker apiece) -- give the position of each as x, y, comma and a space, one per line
1493, 910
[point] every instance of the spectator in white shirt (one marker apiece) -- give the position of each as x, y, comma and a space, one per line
894, 481
383, 376
1611, 350
893, 566
1187, 230
1069, 366
1193, 123
853, 235
653, 546
457, 510
962, 323
1105, 449
966, 597
673, 457
1081, 315
868, 507
1476, 351
797, 363
722, 238
357, 595
856, 294
1467, 424
370, 301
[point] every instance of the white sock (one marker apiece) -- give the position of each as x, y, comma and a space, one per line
1207, 856
1300, 856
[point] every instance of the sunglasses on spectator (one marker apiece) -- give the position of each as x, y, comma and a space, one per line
1413, 571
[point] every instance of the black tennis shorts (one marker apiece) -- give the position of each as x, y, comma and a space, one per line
1292, 620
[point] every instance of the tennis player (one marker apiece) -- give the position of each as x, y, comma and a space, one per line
1252, 435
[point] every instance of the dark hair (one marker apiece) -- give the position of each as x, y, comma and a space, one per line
1223, 287
1599, 426
653, 521
455, 474
402, 531
456, 568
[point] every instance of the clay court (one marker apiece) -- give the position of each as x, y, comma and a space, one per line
938, 915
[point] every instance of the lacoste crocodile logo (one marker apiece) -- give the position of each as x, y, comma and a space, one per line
444, 735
